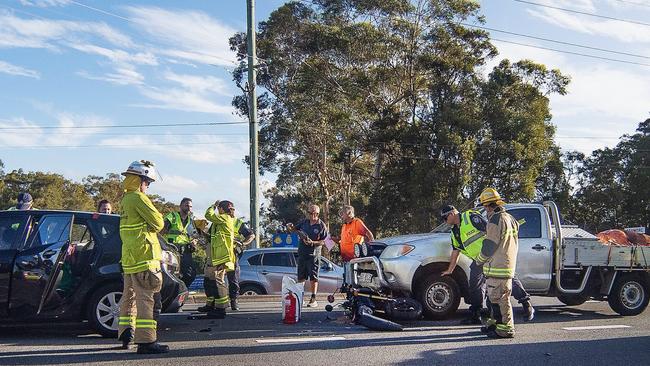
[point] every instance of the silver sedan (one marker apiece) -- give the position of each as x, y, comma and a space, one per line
262, 271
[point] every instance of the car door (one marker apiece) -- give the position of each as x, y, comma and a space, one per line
276, 265
37, 268
535, 257
12, 230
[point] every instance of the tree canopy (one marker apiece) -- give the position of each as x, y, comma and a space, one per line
388, 105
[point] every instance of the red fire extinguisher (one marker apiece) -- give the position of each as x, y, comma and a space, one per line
291, 310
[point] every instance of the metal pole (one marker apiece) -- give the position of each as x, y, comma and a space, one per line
252, 115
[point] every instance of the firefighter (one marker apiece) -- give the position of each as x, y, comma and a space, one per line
467, 234
141, 255
243, 237
221, 258
498, 257
180, 230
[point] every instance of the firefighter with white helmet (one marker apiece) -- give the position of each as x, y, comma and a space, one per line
140, 223
498, 257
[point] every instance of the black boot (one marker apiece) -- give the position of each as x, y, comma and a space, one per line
233, 305
529, 311
217, 313
473, 319
152, 348
205, 308
126, 337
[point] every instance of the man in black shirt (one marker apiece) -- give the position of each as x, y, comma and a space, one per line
312, 232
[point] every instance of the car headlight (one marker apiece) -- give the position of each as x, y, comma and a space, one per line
396, 251
170, 260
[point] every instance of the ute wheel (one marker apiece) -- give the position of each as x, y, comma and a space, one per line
439, 296
573, 299
249, 289
103, 309
629, 295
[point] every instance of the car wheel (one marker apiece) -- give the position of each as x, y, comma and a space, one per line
248, 290
573, 299
629, 295
104, 309
439, 296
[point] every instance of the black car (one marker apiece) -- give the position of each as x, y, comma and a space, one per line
64, 265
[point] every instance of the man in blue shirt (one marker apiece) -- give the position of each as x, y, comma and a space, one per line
312, 232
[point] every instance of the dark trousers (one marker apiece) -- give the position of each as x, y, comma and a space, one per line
233, 281
188, 269
477, 290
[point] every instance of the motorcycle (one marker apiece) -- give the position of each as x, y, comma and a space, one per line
369, 300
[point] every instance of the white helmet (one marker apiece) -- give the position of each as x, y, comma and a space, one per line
142, 168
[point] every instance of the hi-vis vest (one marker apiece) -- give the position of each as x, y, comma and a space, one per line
471, 238
177, 233
238, 224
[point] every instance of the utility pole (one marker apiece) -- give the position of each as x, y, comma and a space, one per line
252, 115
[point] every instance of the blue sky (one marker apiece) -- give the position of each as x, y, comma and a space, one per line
68, 63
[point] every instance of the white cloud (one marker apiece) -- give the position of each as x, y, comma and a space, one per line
606, 99
200, 84
45, 3
202, 149
28, 133
120, 76
176, 184
69, 134
18, 32
189, 35
182, 99
117, 56
607, 28
11, 69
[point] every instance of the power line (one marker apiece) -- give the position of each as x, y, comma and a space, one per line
584, 13
139, 134
118, 145
555, 41
571, 53
125, 126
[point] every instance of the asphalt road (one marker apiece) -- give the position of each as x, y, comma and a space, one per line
256, 336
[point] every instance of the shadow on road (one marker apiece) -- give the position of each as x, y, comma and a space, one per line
620, 351
87, 347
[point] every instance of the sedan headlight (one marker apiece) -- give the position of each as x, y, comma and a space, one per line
396, 251
170, 260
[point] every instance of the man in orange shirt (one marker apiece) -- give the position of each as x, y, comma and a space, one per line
352, 232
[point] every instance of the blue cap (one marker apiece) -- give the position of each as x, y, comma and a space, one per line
24, 201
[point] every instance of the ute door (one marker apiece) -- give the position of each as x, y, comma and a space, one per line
535, 257
12, 229
37, 269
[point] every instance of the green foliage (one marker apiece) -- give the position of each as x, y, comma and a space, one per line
613, 185
384, 104
53, 191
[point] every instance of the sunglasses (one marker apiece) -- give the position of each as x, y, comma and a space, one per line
313, 213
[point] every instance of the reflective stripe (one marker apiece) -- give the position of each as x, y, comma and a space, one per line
139, 267
474, 238
499, 272
126, 320
505, 327
146, 323
222, 300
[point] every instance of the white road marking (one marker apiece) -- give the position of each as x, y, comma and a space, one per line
591, 301
596, 327
300, 339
